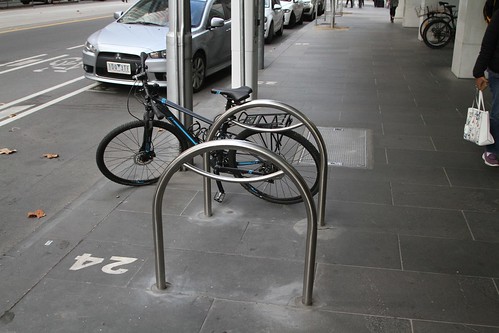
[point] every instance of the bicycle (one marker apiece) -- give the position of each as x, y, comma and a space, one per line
137, 153
439, 28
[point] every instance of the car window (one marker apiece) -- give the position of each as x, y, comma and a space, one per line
221, 9
155, 12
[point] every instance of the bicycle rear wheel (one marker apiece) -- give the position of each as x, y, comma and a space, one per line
120, 158
294, 148
437, 34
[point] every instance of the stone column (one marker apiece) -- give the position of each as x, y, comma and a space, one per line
400, 10
470, 29
411, 20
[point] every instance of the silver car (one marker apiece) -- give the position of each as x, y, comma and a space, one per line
112, 54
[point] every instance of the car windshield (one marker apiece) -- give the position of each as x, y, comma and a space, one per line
155, 12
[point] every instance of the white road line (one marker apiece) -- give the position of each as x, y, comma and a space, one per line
75, 47
32, 64
21, 60
43, 106
17, 101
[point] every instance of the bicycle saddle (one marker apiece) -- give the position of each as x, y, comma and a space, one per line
236, 94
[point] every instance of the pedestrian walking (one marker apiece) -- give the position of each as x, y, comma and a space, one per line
488, 61
393, 4
351, 3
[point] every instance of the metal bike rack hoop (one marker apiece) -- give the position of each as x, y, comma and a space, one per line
284, 168
323, 168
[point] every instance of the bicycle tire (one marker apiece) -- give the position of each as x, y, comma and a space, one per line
118, 155
436, 16
296, 150
437, 34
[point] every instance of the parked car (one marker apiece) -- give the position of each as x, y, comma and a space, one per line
112, 54
274, 20
293, 12
313, 8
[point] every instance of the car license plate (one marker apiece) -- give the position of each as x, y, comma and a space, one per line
119, 68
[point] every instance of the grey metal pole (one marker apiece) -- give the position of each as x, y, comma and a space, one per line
261, 35
185, 53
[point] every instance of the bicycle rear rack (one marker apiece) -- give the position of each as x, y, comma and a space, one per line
284, 168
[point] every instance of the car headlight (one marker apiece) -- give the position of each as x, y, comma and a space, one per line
90, 48
158, 54
287, 10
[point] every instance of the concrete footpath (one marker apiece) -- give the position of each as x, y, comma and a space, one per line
411, 242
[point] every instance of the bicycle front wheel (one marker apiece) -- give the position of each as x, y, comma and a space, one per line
294, 148
121, 158
437, 34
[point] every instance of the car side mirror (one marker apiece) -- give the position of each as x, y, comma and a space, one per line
217, 22
117, 15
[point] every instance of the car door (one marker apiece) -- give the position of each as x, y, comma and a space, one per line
278, 14
217, 43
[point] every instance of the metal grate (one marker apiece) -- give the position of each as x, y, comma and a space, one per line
347, 147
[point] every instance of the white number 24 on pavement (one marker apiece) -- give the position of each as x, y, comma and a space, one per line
86, 260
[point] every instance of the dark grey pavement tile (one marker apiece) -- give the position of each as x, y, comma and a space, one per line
404, 142
393, 173
450, 256
484, 226
174, 202
227, 316
19, 273
219, 233
412, 295
445, 197
485, 178
366, 116
233, 277
359, 191
393, 219
463, 160
435, 327
56, 306
456, 144
334, 246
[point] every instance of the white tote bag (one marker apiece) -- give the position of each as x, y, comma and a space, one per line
477, 127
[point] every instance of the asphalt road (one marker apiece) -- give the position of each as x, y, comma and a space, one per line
46, 106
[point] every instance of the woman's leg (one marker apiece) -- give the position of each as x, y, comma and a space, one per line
494, 113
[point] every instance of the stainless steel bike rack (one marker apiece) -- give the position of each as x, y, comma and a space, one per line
304, 122
284, 168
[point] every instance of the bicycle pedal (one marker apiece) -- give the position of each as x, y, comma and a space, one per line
219, 197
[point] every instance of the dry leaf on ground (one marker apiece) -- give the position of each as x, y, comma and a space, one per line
37, 213
7, 151
50, 156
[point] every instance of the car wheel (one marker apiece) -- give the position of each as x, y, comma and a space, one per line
49, 1
300, 22
270, 35
279, 33
198, 72
292, 20
25, 2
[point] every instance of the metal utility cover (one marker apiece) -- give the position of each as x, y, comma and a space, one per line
348, 147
